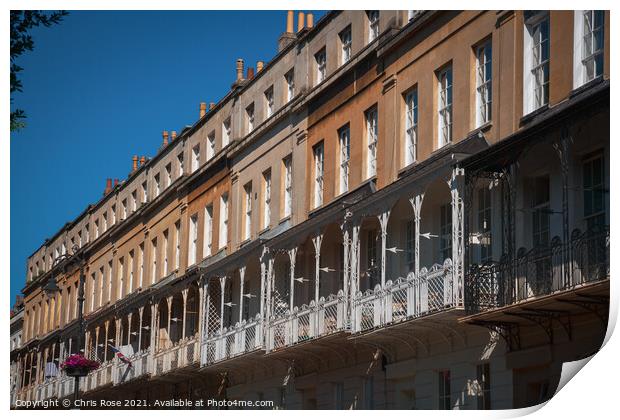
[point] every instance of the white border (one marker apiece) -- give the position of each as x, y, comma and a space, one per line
590, 395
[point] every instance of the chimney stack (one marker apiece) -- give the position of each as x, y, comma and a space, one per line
203, 109
239, 69
250, 75
259, 66
134, 167
115, 182
289, 36
164, 135
310, 20
300, 21
211, 105
173, 134
289, 21
108, 186
142, 160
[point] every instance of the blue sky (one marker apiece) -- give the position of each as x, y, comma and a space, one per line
100, 88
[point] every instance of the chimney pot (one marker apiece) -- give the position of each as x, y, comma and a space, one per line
310, 20
259, 66
211, 105
115, 182
300, 21
135, 163
142, 161
239, 69
164, 135
289, 21
203, 109
108, 186
250, 75
173, 134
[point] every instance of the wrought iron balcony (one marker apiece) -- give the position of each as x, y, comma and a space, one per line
244, 337
406, 298
47, 389
308, 322
539, 272
102, 376
139, 367
184, 353
65, 385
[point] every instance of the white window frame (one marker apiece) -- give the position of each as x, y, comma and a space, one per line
535, 65
144, 193
130, 270
249, 113
157, 188
247, 225
109, 294
344, 142
210, 145
134, 200
290, 84
319, 166
411, 127
288, 186
320, 59
195, 157
154, 249
373, 25
444, 106
207, 246
372, 141
193, 240
223, 237
165, 249
345, 42
121, 278
180, 164
93, 293
177, 242
101, 287
484, 84
226, 132
589, 29
266, 199
168, 169
141, 276
269, 102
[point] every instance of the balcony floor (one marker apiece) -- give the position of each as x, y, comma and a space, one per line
548, 313
236, 362
573, 301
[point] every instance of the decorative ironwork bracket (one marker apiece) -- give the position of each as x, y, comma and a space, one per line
509, 331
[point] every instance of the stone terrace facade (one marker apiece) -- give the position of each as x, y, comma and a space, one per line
402, 209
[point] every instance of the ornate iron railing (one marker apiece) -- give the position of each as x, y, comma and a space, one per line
99, 377
308, 322
181, 354
540, 271
139, 367
244, 337
405, 298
